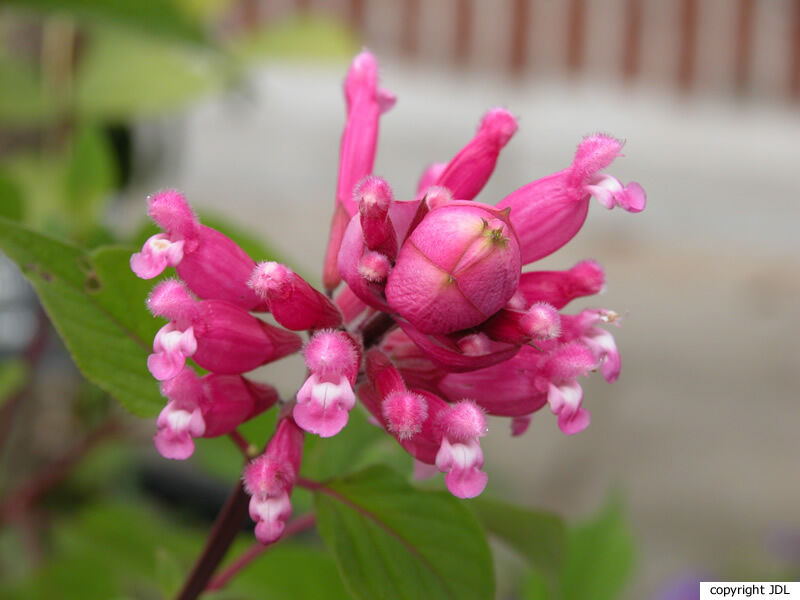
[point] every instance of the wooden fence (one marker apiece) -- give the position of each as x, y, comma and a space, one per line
742, 46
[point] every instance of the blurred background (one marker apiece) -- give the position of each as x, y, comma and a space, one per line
238, 103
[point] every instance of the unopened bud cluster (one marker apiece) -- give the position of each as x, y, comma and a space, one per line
466, 334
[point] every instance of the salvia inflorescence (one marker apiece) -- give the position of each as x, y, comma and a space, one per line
432, 326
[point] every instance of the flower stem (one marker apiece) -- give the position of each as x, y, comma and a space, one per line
229, 522
248, 450
375, 328
256, 550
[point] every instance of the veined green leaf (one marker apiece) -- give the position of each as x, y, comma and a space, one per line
391, 540
538, 536
97, 306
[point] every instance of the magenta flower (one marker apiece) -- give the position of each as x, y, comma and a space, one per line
327, 396
211, 264
218, 335
435, 328
207, 406
269, 480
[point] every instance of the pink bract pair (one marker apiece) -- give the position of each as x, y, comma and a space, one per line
435, 328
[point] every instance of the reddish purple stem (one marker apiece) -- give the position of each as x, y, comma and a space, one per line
256, 550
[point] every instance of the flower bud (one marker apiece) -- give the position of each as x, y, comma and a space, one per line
558, 288
358, 267
540, 322
457, 268
470, 169
374, 267
374, 201
292, 301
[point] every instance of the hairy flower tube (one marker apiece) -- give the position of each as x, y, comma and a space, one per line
429, 320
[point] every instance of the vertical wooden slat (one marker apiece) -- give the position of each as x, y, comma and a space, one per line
249, 14
632, 48
409, 37
520, 15
463, 31
355, 14
688, 44
576, 32
794, 56
745, 22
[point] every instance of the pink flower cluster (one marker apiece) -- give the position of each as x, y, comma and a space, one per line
435, 327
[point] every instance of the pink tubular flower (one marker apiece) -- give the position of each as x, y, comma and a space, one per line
365, 103
207, 406
218, 335
449, 328
561, 287
269, 480
430, 176
529, 381
460, 454
582, 327
470, 169
326, 398
431, 430
291, 300
564, 393
549, 212
211, 264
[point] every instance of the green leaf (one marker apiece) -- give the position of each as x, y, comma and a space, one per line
324, 458
11, 198
97, 306
13, 375
125, 75
537, 535
90, 177
159, 17
391, 540
535, 586
288, 572
599, 557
